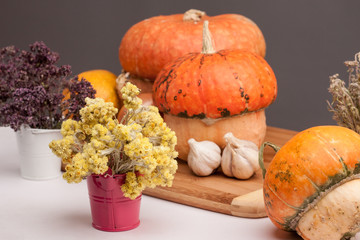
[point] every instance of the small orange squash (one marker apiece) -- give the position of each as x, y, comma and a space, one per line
312, 184
150, 44
205, 95
104, 82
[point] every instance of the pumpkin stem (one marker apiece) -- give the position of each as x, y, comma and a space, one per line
261, 155
208, 45
193, 15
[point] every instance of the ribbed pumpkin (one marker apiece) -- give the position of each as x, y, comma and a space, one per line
312, 184
150, 44
205, 95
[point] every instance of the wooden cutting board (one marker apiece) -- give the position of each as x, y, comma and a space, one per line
218, 193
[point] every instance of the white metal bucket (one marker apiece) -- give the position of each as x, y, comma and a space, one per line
37, 162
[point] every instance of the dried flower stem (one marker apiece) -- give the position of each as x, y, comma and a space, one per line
346, 100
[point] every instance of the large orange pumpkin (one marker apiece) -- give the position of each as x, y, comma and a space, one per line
150, 44
205, 95
312, 184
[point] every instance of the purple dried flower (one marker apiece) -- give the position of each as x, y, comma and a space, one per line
79, 90
31, 88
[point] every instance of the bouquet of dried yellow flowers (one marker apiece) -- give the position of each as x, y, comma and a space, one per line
140, 145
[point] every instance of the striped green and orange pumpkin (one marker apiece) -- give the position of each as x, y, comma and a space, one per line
312, 184
206, 94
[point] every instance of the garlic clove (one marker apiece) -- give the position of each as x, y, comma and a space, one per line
240, 157
242, 167
251, 154
204, 157
231, 139
226, 162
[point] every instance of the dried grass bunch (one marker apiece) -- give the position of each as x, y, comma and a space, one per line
345, 104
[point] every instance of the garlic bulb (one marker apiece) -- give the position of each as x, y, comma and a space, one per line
240, 158
204, 157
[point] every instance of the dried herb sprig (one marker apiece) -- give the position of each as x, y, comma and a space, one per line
345, 104
31, 88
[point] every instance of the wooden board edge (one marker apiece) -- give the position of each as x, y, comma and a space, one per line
188, 200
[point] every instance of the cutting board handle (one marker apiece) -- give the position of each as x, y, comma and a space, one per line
250, 205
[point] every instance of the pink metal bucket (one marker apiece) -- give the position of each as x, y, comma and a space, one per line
110, 210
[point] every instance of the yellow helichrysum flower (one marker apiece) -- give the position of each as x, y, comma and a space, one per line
99, 131
76, 170
69, 127
138, 148
63, 148
129, 95
134, 185
97, 111
126, 133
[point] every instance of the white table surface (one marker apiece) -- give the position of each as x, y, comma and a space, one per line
54, 209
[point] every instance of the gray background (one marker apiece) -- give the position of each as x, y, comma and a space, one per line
307, 40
